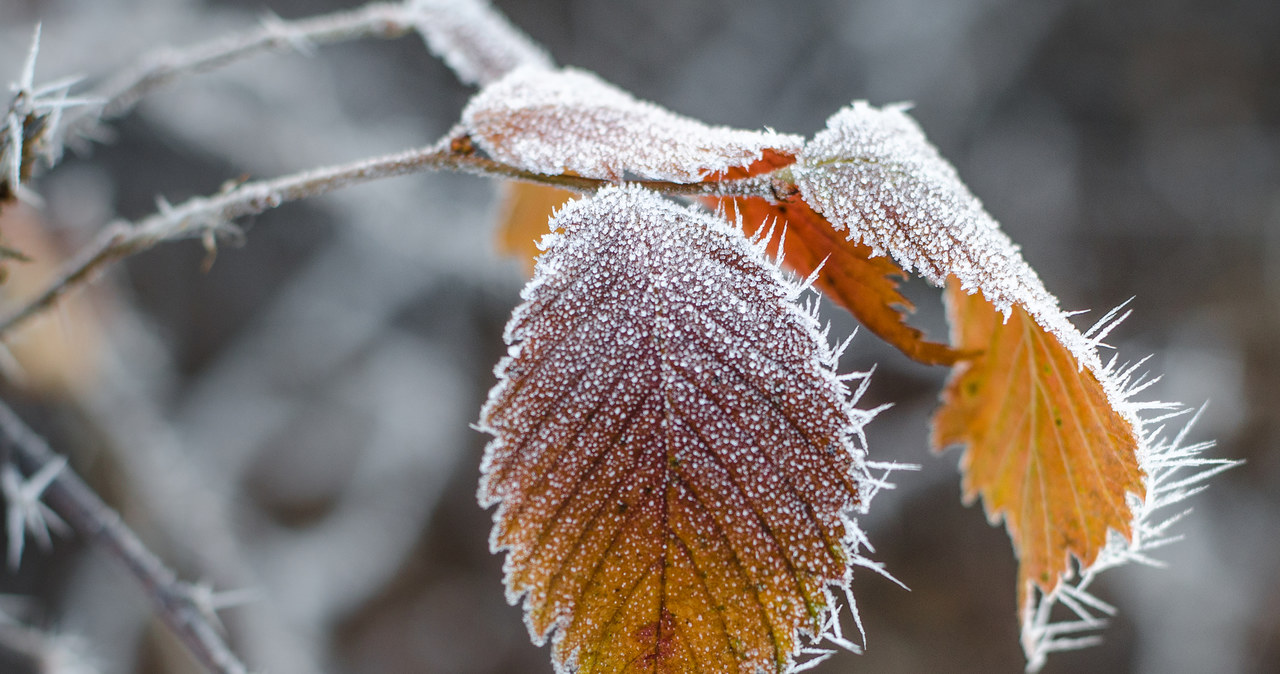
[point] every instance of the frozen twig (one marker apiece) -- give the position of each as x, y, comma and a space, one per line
182, 606
477, 42
120, 94
208, 217
29, 125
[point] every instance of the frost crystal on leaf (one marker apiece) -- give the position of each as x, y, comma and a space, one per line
1175, 471
873, 173
478, 43
675, 461
559, 121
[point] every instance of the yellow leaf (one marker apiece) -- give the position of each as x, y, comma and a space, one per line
1046, 450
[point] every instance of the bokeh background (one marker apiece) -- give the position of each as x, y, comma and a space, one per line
295, 419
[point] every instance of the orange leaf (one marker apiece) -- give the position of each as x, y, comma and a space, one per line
523, 212
673, 457
865, 285
1046, 448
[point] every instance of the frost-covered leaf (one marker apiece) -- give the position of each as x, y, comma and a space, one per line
675, 461
847, 273
570, 121
473, 39
873, 173
523, 212
1056, 447
1049, 448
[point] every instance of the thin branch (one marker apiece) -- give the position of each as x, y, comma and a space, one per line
36, 115
180, 605
207, 217
120, 94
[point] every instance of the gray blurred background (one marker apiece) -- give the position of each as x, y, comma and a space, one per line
295, 420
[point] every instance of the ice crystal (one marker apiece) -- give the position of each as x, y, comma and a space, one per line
30, 128
666, 411
25, 511
1175, 471
559, 121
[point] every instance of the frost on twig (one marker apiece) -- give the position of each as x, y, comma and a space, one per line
209, 217
478, 43
25, 511
121, 93
31, 126
34, 126
559, 121
184, 607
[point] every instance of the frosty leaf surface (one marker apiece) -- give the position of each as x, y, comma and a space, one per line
570, 121
674, 461
873, 173
477, 42
1048, 448
847, 273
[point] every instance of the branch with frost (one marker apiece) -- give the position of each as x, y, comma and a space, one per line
120, 94
29, 126
190, 610
34, 127
478, 43
209, 217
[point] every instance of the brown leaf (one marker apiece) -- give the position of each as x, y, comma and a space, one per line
673, 457
1046, 447
865, 285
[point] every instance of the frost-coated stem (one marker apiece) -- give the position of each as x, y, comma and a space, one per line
120, 94
176, 602
206, 217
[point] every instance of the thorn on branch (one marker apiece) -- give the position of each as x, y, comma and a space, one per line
26, 512
209, 602
74, 505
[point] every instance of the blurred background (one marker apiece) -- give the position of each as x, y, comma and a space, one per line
295, 419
